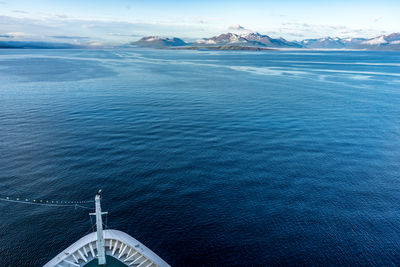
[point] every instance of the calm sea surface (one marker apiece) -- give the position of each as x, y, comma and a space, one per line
208, 158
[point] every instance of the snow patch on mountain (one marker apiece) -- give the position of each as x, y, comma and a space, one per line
152, 38
376, 41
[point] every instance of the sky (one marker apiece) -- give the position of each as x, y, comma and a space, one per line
122, 21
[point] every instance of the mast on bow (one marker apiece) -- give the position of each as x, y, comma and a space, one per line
101, 252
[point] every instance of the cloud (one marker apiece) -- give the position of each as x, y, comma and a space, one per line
237, 27
20, 12
294, 30
50, 28
124, 35
13, 35
286, 33
61, 16
69, 37
376, 18
90, 25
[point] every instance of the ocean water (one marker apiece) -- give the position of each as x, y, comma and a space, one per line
208, 158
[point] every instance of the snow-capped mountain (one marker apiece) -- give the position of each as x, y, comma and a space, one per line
250, 39
223, 39
257, 40
375, 41
391, 41
268, 41
352, 41
327, 42
159, 42
384, 40
393, 38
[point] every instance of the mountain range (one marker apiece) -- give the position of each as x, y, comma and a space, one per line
386, 42
250, 39
231, 41
383, 42
160, 42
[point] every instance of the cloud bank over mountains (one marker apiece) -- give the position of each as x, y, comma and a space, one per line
119, 21
83, 31
57, 27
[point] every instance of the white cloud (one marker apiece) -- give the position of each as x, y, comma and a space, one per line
376, 18
14, 35
118, 31
106, 31
294, 30
236, 27
20, 12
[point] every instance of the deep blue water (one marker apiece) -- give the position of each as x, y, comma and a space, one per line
208, 158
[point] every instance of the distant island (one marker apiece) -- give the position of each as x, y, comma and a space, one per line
231, 41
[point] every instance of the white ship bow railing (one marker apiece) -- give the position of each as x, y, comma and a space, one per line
117, 244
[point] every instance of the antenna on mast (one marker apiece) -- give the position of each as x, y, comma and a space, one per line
101, 252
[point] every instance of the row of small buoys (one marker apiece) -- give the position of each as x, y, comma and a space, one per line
44, 202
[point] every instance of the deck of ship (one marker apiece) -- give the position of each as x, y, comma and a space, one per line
111, 262
119, 245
